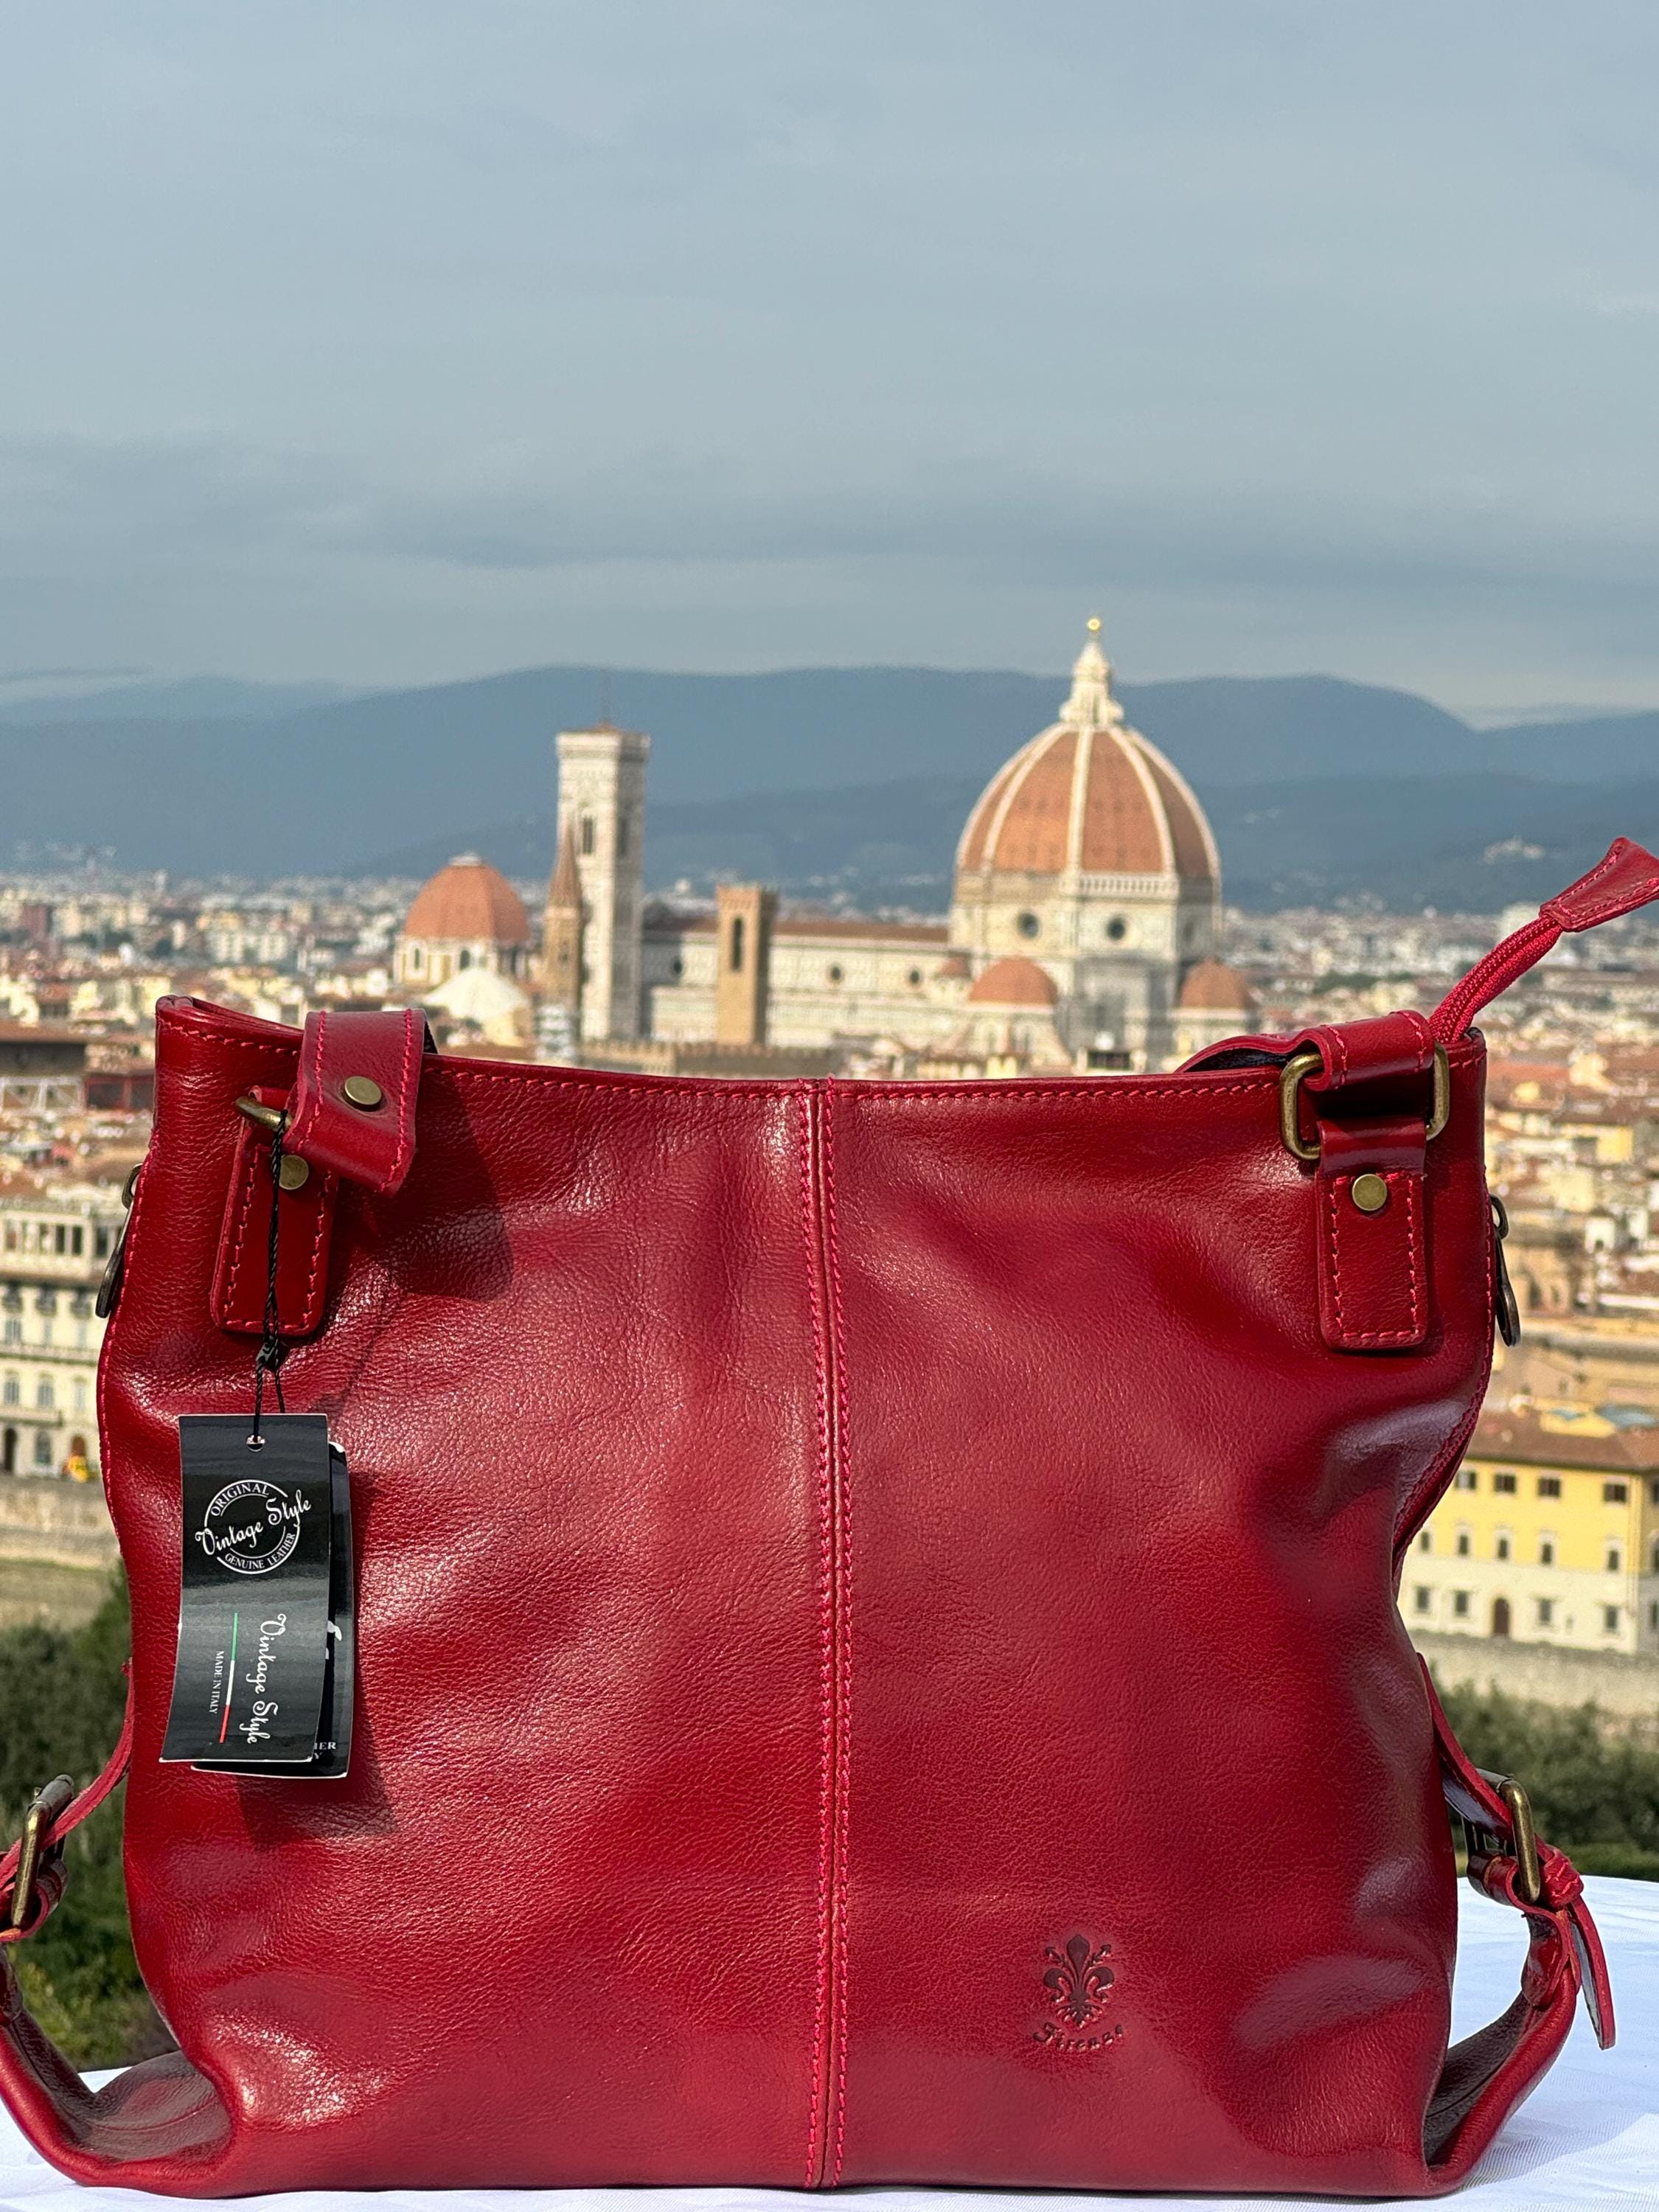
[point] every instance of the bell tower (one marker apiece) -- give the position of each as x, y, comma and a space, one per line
602, 813
562, 934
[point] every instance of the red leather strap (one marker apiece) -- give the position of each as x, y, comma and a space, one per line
372, 1143
49, 1880
160, 2108
1373, 1267
1627, 879
1486, 2076
1384, 1049
238, 1299
1371, 1099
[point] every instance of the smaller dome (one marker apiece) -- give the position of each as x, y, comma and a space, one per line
468, 902
1214, 987
475, 994
953, 969
1014, 983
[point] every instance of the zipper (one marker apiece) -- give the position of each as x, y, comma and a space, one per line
1504, 1301
109, 1290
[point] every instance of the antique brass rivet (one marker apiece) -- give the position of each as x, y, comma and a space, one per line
361, 1091
1369, 1193
294, 1173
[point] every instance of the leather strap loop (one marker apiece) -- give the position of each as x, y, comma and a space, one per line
1384, 1049
1371, 1100
354, 1098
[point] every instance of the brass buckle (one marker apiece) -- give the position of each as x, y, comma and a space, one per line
271, 1119
1521, 1844
1528, 1875
1301, 1065
35, 1847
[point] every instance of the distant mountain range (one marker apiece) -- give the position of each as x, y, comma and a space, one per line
189, 698
852, 780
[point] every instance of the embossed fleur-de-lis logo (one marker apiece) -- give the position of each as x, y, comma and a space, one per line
1077, 1978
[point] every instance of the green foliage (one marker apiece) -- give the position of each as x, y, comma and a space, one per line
1594, 1785
61, 1698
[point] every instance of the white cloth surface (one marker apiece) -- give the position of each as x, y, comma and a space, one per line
1587, 2138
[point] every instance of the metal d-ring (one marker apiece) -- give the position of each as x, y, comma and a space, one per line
1308, 1061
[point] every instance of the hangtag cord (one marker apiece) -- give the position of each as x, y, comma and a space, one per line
268, 1359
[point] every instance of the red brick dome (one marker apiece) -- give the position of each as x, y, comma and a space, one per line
1014, 982
1089, 796
468, 902
1214, 987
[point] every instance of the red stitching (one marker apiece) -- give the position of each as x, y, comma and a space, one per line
844, 1685
826, 1618
1199, 1084
1413, 1186
245, 1158
400, 1158
190, 1026
1609, 909
311, 1304
311, 1311
306, 1121
1329, 1191
1610, 860
1333, 1189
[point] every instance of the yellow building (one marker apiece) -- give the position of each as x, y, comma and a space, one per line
1549, 1535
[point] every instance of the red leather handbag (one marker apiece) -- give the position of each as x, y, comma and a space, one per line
877, 1650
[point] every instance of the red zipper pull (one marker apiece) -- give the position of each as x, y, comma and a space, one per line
1627, 879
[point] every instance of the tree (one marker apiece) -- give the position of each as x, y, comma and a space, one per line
1594, 1786
60, 1698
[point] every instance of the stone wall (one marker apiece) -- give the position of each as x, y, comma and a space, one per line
1625, 1686
57, 1523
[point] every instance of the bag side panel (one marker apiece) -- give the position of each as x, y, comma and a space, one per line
561, 1924
1150, 1885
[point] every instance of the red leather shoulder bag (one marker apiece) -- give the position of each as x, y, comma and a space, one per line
878, 1658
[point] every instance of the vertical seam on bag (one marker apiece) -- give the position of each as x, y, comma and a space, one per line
246, 1161
826, 1621
300, 1133
842, 1499
400, 1155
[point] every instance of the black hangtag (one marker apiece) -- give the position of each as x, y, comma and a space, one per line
332, 1757
254, 1640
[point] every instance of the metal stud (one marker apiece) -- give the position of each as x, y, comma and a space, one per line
361, 1092
1369, 1193
294, 1173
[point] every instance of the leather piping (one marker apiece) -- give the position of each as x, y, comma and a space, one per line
827, 2127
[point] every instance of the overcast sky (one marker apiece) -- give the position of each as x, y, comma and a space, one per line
386, 340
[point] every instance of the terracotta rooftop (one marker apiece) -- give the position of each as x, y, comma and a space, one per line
1547, 1440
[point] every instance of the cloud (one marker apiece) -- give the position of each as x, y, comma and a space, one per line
81, 508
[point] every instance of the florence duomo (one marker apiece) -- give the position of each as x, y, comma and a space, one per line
1083, 930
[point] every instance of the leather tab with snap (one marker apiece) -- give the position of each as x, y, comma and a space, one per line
354, 1107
